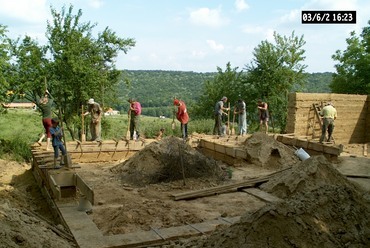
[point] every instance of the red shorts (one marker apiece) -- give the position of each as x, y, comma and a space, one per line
47, 125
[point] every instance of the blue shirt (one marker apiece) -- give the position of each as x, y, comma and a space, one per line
56, 134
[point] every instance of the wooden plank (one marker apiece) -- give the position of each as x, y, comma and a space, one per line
357, 176
84, 230
223, 188
85, 189
260, 194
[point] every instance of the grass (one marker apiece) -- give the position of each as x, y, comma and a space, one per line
21, 128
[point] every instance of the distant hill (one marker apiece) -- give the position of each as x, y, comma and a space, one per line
156, 89
316, 83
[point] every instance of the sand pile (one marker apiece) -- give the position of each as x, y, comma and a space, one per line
167, 160
267, 152
322, 209
306, 176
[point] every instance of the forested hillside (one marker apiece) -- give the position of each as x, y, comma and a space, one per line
156, 89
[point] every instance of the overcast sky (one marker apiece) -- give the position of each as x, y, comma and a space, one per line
196, 35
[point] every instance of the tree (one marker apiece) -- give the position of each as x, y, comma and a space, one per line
353, 70
83, 67
273, 72
4, 64
225, 83
30, 68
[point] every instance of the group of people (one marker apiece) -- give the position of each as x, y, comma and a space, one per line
221, 110
54, 133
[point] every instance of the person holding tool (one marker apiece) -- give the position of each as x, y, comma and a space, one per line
134, 113
57, 134
329, 114
218, 112
45, 104
95, 122
182, 116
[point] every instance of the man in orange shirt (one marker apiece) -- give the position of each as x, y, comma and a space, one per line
182, 116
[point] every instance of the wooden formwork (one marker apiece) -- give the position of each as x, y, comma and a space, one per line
60, 187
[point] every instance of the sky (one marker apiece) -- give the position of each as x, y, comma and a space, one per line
196, 35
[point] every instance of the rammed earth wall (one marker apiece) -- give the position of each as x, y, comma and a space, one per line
351, 126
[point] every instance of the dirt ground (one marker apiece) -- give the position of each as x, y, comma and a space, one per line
312, 190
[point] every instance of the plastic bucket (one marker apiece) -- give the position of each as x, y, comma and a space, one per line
302, 154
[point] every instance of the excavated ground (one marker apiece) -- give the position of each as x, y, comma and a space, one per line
321, 207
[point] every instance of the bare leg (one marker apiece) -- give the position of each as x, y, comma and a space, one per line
41, 138
267, 127
47, 144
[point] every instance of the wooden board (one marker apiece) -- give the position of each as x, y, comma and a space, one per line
262, 195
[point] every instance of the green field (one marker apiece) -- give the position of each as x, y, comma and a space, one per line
21, 128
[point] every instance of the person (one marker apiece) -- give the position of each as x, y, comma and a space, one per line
263, 115
45, 105
134, 113
56, 134
218, 113
182, 116
329, 114
240, 109
96, 112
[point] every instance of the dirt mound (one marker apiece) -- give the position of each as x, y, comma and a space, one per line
167, 160
323, 209
267, 152
305, 176
21, 204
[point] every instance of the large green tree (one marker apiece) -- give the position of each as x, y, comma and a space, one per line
4, 63
353, 68
275, 68
225, 83
83, 66
30, 68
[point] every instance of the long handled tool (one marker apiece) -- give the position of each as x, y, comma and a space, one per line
228, 120
83, 135
233, 129
67, 158
128, 125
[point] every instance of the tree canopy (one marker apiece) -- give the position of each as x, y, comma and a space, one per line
353, 69
74, 65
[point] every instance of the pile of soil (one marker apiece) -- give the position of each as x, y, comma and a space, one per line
263, 150
321, 209
167, 160
21, 208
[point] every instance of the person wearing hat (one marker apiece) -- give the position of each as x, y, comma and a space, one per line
57, 134
96, 112
134, 112
218, 112
182, 116
329, 114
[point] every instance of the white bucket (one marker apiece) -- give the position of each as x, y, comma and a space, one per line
302, 154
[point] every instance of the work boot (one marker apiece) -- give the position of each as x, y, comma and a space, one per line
62, 160
55, 164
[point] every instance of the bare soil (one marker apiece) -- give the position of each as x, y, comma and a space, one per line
321, 207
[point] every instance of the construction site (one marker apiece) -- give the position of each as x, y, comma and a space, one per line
257, 190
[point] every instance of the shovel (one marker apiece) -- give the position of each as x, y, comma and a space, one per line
67, 158
128, 126
83, 135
